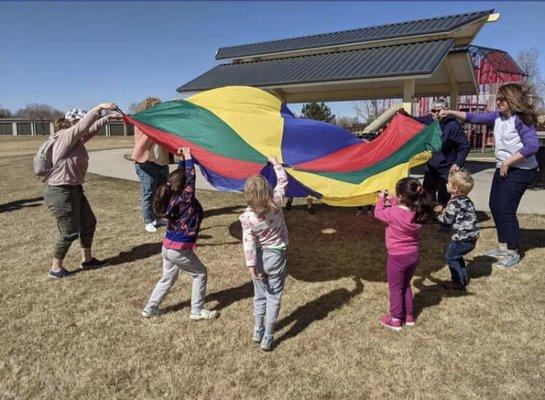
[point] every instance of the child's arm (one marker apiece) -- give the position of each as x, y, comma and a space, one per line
281, 181
448, 215
249, 242
187, 164
381, 212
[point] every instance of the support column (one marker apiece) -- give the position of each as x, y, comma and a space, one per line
14, 128
408, 95
51, 128
32, 128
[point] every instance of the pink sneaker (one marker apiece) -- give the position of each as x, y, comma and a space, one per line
392, 323
409, 320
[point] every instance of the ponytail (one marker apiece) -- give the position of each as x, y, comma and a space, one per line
414, 196
164, 193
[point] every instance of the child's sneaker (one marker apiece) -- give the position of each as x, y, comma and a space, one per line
267, 343
61, 273
391, 323
150, 228
150, 311
510, 260
92, 264
258, 335
203, 314
409, 320
497, 253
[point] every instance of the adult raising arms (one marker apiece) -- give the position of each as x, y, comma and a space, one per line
516, 143
64, 192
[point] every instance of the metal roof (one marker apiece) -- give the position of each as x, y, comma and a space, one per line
378, 62
382, 32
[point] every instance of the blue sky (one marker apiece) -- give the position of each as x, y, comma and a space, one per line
69, 54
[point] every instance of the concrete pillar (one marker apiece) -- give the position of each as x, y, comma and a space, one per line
51, 128
125, 131
108, 129
14, 128
408, 95
32, 128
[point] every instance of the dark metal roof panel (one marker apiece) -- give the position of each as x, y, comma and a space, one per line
361, 35
399, 60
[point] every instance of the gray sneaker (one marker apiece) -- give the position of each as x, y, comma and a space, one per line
150, 311
267, 343
497, 253
509, 261
258, 335
203, 314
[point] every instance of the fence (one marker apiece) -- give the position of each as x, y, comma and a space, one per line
26, 127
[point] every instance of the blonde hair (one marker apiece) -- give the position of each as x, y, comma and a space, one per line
518, 98
61, 123
462, 179
259, 195
147, 103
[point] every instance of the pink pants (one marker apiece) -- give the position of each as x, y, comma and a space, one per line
400, 270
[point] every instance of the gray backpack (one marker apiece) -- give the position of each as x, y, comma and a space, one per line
43, 160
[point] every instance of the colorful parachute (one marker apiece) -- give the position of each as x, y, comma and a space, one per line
231, 132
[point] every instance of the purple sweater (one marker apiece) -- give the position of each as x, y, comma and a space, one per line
511, 135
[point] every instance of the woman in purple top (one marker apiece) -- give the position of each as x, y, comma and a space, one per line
516, 143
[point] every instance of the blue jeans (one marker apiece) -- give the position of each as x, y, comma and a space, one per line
504, 201
151, 176
455, 259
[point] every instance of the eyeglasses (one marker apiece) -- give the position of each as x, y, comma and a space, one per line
435, 111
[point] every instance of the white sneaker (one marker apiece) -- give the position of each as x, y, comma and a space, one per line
150, 228
204, 314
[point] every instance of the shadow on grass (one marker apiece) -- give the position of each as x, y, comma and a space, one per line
19, 204
430, 296
528, 238
224, 298
335, 243
316, 310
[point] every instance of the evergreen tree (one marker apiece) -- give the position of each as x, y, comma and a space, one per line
317, 111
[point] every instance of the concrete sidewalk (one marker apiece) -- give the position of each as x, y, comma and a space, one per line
113, 163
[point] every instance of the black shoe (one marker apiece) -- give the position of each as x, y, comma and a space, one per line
288, 206
62, 273
310, 210
92, 264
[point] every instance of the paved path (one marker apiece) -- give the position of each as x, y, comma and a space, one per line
113, 163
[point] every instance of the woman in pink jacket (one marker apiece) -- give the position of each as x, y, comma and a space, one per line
151, 164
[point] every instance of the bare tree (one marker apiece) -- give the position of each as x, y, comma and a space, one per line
369, 110
5, 113
39, 112
346, 122
528, 63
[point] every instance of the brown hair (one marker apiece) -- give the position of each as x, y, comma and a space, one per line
518, 98
147, 103
61, 123
175, 186
413, 195
462, 179
259, 194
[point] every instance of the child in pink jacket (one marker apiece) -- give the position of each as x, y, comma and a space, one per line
404, 215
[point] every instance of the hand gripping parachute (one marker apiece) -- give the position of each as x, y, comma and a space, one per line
232, 130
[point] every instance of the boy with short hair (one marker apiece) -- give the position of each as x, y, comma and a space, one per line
460, 214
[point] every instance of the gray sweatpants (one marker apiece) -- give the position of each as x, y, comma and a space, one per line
186, 260
268, 291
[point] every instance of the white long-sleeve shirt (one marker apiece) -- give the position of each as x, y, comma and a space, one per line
266, 231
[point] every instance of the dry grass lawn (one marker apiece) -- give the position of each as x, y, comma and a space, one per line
83, 337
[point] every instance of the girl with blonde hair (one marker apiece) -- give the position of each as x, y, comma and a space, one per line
265, 240
516, 143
